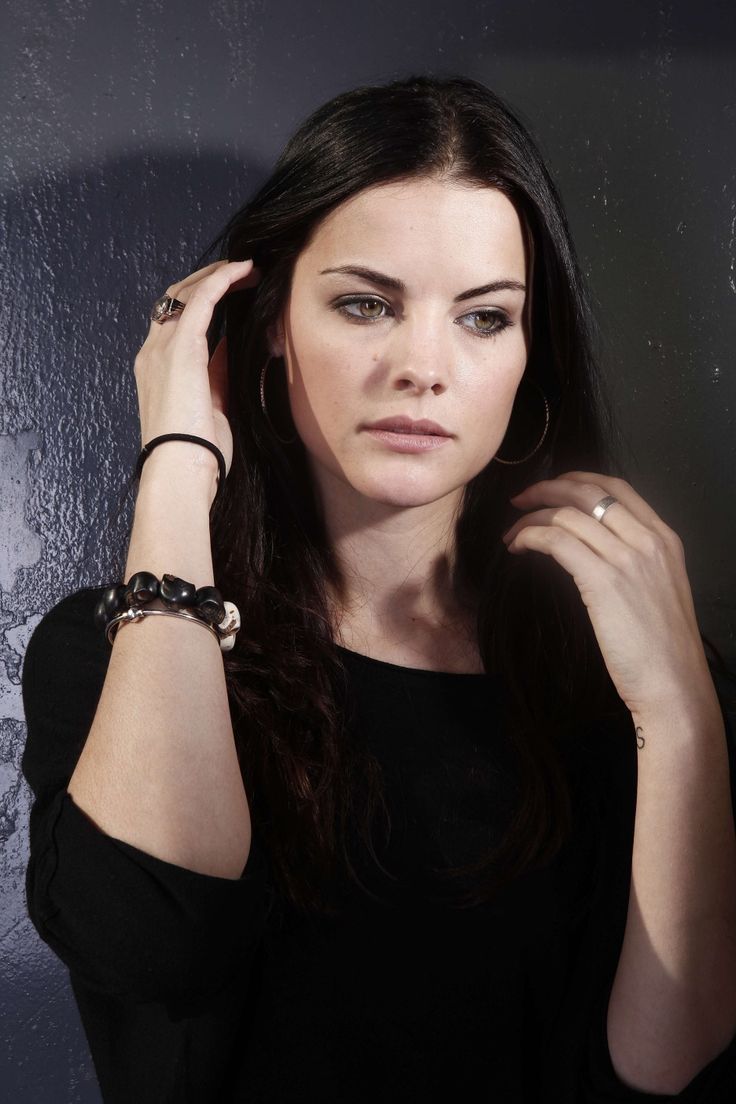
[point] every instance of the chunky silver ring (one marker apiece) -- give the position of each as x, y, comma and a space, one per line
164, 308
600, 508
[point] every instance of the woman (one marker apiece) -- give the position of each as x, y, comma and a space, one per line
383, 846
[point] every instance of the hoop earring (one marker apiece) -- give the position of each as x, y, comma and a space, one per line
544, 433
265, 412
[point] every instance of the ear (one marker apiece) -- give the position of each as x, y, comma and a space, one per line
275, 338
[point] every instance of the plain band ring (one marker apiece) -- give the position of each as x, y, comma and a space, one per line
600, 508
164, 308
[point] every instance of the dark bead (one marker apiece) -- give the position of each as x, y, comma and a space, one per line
101, 617
110, 603
175, 592
114, 599
142, 588
210, 605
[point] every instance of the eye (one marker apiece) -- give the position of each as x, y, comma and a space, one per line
497, 321
357, 300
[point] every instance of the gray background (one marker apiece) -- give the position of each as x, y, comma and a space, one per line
133, 129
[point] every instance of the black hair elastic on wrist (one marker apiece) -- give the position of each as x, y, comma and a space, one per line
147, 450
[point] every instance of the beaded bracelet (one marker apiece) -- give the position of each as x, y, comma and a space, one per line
119, 604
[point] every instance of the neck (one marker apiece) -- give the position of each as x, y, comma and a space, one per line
398, 568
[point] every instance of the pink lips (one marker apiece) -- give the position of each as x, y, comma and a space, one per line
402, 434
402, 424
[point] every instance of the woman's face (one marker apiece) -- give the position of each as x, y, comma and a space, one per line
358, 350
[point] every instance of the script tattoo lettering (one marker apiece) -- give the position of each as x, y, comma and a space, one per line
640, 741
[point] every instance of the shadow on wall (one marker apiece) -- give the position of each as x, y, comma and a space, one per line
87, 253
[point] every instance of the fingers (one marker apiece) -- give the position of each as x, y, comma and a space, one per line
193, 278
200, 298
196, 277
200, 292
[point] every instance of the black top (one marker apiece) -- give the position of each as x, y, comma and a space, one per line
191, 989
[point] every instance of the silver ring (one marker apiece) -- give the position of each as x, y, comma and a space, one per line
600, 508
164, 308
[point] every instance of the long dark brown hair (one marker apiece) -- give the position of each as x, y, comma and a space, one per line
307, 784
308, 787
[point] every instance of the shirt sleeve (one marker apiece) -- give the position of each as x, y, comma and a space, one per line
716, 1082
123, 921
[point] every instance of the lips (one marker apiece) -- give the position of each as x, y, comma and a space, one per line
402, 424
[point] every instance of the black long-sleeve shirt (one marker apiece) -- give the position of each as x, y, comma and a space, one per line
195, 988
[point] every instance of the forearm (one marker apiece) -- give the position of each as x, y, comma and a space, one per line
673, 1003
159, 768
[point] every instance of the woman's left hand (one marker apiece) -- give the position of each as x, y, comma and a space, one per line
630, 571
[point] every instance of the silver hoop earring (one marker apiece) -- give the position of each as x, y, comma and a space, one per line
544, 432
265, 412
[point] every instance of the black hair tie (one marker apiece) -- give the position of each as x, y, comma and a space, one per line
147, 450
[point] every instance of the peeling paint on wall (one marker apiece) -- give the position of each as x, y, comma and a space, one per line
20, 546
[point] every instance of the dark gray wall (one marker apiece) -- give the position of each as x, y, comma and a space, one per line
132, 129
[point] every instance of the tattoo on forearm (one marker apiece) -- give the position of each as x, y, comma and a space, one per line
640, 741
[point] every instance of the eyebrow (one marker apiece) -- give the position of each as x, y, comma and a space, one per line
395, 284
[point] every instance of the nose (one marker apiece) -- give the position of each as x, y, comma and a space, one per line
420, 371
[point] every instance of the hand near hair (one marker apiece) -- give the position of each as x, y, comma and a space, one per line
179, 389
630, 571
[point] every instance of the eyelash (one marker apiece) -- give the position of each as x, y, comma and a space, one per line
503, 321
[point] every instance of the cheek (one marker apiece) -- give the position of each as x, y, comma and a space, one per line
323, 395
489, 399
518, 350
493, 385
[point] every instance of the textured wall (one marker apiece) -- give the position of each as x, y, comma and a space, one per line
132, 129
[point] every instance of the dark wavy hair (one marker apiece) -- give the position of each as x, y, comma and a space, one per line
308, 786
311, 790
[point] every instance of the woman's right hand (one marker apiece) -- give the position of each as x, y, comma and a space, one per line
178, 390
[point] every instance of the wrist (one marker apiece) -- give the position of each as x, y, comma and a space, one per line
171, 533
180, 469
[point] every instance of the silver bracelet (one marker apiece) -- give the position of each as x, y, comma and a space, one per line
225, 638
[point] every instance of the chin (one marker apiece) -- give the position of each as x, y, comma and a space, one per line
395, 488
